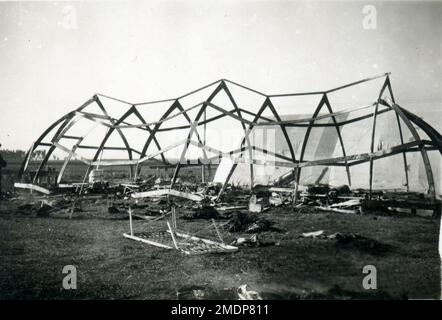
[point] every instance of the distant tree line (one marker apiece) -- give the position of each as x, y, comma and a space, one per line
19, 155
13, 155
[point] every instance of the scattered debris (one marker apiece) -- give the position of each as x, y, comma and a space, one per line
356, 241
329, 208
164, 192
317, 190
347, 204
206, 212
245, 294
229, 209
314, 234
252, 241
198, 294
245, 222
31, 187
255, 205
96, 175
171, 238
27, 208
44, 210
276, 200
113, 209
352, 241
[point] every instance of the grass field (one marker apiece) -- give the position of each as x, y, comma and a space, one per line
34, 250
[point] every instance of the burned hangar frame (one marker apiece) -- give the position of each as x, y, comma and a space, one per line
137, 158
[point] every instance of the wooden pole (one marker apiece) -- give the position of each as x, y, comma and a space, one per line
130, 222
174, 218
217, 231
373, 134
295, 195
172, 233
203, 167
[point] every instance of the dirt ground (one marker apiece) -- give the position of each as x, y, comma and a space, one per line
34, 250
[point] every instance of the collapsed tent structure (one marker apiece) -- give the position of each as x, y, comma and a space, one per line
265, 135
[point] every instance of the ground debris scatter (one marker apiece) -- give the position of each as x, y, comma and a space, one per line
249, 244
352, 242
250, 223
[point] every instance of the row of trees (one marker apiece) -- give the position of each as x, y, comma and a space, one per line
19, 155
12, 155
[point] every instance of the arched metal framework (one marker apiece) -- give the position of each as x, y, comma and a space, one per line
152, 128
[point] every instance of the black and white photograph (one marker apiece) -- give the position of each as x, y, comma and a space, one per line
233, 151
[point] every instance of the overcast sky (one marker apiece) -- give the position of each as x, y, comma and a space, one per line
55, 55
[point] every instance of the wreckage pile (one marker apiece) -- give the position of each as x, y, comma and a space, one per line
249, 223
239, 211
200, 201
